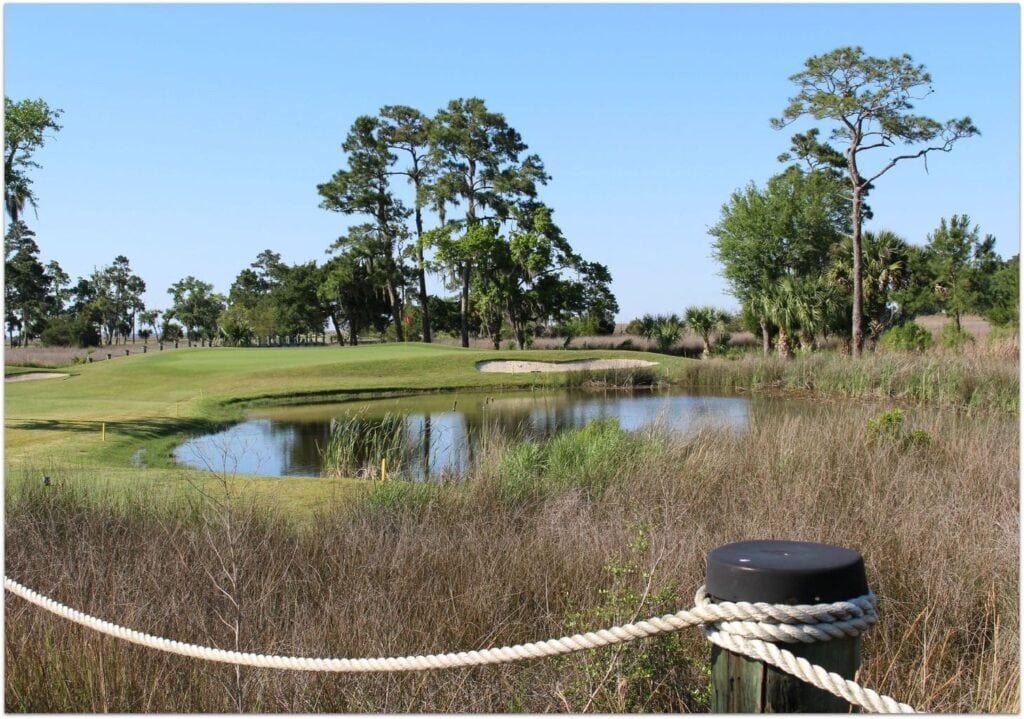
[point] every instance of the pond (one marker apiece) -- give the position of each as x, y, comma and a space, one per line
440, 434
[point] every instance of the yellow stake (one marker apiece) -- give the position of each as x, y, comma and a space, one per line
384, 469
103, 431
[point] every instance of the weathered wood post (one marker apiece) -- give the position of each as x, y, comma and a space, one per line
782, 572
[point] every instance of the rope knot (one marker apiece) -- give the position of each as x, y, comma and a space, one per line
785, 623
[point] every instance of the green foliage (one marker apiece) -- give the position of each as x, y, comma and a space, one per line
869, 101
196, 306
25, 125
953, 337
588, 459
357, 446
75, 331
25, 283
722, 348
1001, 304
399, 496
888, 428
666, 331
658, 674
786, 229
885, 272
636, 327
961, 265
703, 321
908, 337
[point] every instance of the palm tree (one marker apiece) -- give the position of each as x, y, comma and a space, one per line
884, 270
704, 321
667, 330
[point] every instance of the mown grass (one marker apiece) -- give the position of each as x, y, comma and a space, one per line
526, 550
154, 400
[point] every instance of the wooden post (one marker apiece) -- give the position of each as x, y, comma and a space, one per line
781, 572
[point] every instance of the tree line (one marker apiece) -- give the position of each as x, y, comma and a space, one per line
474, 219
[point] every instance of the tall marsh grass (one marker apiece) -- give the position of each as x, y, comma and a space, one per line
358, 445
984, 379
532, 548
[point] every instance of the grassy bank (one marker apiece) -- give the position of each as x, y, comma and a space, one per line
582, 531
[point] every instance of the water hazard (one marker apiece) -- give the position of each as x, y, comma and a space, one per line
442, 434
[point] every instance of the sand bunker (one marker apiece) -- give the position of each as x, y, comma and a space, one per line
33, 375
513, 366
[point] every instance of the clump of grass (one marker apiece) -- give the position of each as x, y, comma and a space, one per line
358, 445
399, 496
588, 459
618, 378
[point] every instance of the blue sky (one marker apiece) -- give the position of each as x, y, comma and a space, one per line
194, 135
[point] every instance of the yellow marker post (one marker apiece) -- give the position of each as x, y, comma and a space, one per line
384, 469
103, 431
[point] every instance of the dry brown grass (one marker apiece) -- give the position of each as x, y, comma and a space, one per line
938, 527
977, 326
50, 357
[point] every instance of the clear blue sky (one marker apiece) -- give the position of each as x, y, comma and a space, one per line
195, 135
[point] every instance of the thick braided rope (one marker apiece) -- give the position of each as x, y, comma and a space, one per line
742, 627
725, 635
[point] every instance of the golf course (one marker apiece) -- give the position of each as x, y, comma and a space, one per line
98, 416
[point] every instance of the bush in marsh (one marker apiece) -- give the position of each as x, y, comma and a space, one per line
469, 569
908, 337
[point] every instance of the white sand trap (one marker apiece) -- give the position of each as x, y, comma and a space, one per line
34, 375
513, 366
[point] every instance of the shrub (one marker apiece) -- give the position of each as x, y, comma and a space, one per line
888, 427
658, 674
70, 332
908, 337
952, 338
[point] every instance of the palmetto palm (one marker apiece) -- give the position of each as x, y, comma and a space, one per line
884, 269
704, 321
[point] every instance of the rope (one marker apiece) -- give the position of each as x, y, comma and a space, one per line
741, 627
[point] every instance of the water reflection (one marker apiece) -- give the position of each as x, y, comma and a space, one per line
444, 434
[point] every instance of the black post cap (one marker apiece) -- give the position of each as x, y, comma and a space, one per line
784, 572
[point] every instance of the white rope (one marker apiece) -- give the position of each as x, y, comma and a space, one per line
740, 627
